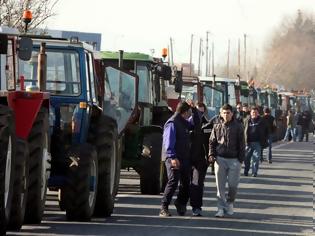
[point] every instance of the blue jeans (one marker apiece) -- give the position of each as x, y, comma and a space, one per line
288, 132
253, 155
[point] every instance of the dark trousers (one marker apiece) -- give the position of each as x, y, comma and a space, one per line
181, 175
199, 171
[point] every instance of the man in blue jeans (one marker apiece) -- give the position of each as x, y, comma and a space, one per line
226, 149
256, 133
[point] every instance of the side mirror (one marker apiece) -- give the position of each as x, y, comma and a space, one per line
3, 44
178, 81
164, 71
25, 48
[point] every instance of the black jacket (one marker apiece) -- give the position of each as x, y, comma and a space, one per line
263, 131
271, 124
227, 140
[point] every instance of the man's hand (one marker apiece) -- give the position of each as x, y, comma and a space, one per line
175, 163
211, 159
190, 102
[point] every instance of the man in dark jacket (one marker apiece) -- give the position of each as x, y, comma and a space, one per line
271, 125
256, 133
306, 121
199, 158
227, 149
176, 153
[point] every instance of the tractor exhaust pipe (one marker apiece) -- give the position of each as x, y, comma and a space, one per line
120, 59
41, 69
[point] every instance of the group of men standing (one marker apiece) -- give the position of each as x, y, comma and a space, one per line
299, 124
189, 148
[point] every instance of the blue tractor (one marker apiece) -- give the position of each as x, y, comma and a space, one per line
84, 136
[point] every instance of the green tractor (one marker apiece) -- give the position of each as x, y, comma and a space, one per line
143, 135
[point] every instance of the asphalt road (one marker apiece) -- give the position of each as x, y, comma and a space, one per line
277, 202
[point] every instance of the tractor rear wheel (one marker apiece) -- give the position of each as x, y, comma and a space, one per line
7, 162
150, 165
79, 194
20, 186
104, 137
39, 167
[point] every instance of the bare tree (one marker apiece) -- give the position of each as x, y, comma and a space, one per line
11, 12
289, 59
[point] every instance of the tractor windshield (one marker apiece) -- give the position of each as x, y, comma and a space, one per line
63, 72
189, 93
273, 100
213, 99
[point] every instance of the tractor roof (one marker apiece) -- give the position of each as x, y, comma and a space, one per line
132, 56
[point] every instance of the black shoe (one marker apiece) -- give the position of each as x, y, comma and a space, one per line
245, 174
254, 175
165, 213
181, 209
270, 161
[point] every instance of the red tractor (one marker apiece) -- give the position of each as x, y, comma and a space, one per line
24, 138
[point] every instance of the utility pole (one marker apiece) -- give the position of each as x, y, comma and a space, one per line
168, 57
207, 53
200, 56
190, 61
212, 58
228, 61
239, 57
209, 64
245, 73
171, 52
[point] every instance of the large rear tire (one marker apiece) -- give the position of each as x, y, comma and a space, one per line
7, 162
20, 186
150, 165
82, 180
39, 167
104, 137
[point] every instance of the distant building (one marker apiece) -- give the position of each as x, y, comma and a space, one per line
94, 39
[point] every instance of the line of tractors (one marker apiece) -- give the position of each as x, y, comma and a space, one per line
71, 118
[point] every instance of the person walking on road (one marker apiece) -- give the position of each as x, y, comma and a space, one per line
227, 150
306, 123
199, 158
271, 124
256, 133
176, 153
290, 129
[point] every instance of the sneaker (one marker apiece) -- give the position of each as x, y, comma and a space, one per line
181, 209
254, 175
230, 209
220, 213
164, 213
196, 212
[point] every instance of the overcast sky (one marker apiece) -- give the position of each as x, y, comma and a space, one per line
142, 25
